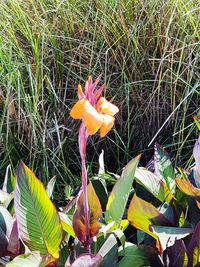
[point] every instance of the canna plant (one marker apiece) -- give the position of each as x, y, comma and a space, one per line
150, 217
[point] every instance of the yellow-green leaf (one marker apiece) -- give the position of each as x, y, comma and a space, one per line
119, 196
187, 188
142, 215
37, 218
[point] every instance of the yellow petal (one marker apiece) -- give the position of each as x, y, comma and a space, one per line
92, 119
108, 122
105, 107
78, 109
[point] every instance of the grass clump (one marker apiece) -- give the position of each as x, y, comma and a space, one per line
148, 53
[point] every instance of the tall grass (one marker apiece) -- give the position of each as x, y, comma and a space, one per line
148, 52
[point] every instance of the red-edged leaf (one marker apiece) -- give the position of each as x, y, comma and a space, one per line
95, 213
86, 260
142, 215
187, 188
194, 248
14, 245
177, 254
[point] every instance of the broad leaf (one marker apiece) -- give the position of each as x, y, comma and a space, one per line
194, 248
142, 215
187, 188
87, 260
153, 184
168, 235
37, 218
119, 196
101, 192
33, 259
95, 212
132, 254
164, 168
197, 121
109, 251
177, 254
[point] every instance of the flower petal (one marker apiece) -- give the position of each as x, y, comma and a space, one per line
92, 119
78, 109
105, 107
80, 92
108, 122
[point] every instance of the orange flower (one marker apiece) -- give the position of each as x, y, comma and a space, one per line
95, 111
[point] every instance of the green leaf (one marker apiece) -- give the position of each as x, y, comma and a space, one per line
33, 259
164, 168
119, 196
37, 218
9, 180
109, 252
153, 184
132, 254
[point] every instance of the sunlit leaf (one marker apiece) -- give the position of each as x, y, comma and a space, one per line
37, 219
101, 163
164, 168
142, 215
50, 186
95, 212
9, 180
101, 191
87, 260
187, 188
33, 259
66, 224
109, 251
119, 195
177, 254
153, 184
132, 254
194, 248
168, 235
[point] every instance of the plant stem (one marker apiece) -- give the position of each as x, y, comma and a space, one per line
83, 136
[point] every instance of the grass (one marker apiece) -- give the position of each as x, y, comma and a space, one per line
148, 53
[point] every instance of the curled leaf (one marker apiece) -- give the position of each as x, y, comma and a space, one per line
95, 212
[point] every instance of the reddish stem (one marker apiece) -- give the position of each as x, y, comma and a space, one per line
83, 136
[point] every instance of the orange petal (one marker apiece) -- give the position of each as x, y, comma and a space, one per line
92, 119
108, 122
78, 109
105, 107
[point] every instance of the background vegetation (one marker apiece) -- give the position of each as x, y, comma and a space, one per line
148, 53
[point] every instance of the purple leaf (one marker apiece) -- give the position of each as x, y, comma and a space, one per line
196, 154
194, 248
177, 254
14, 245
86, 260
